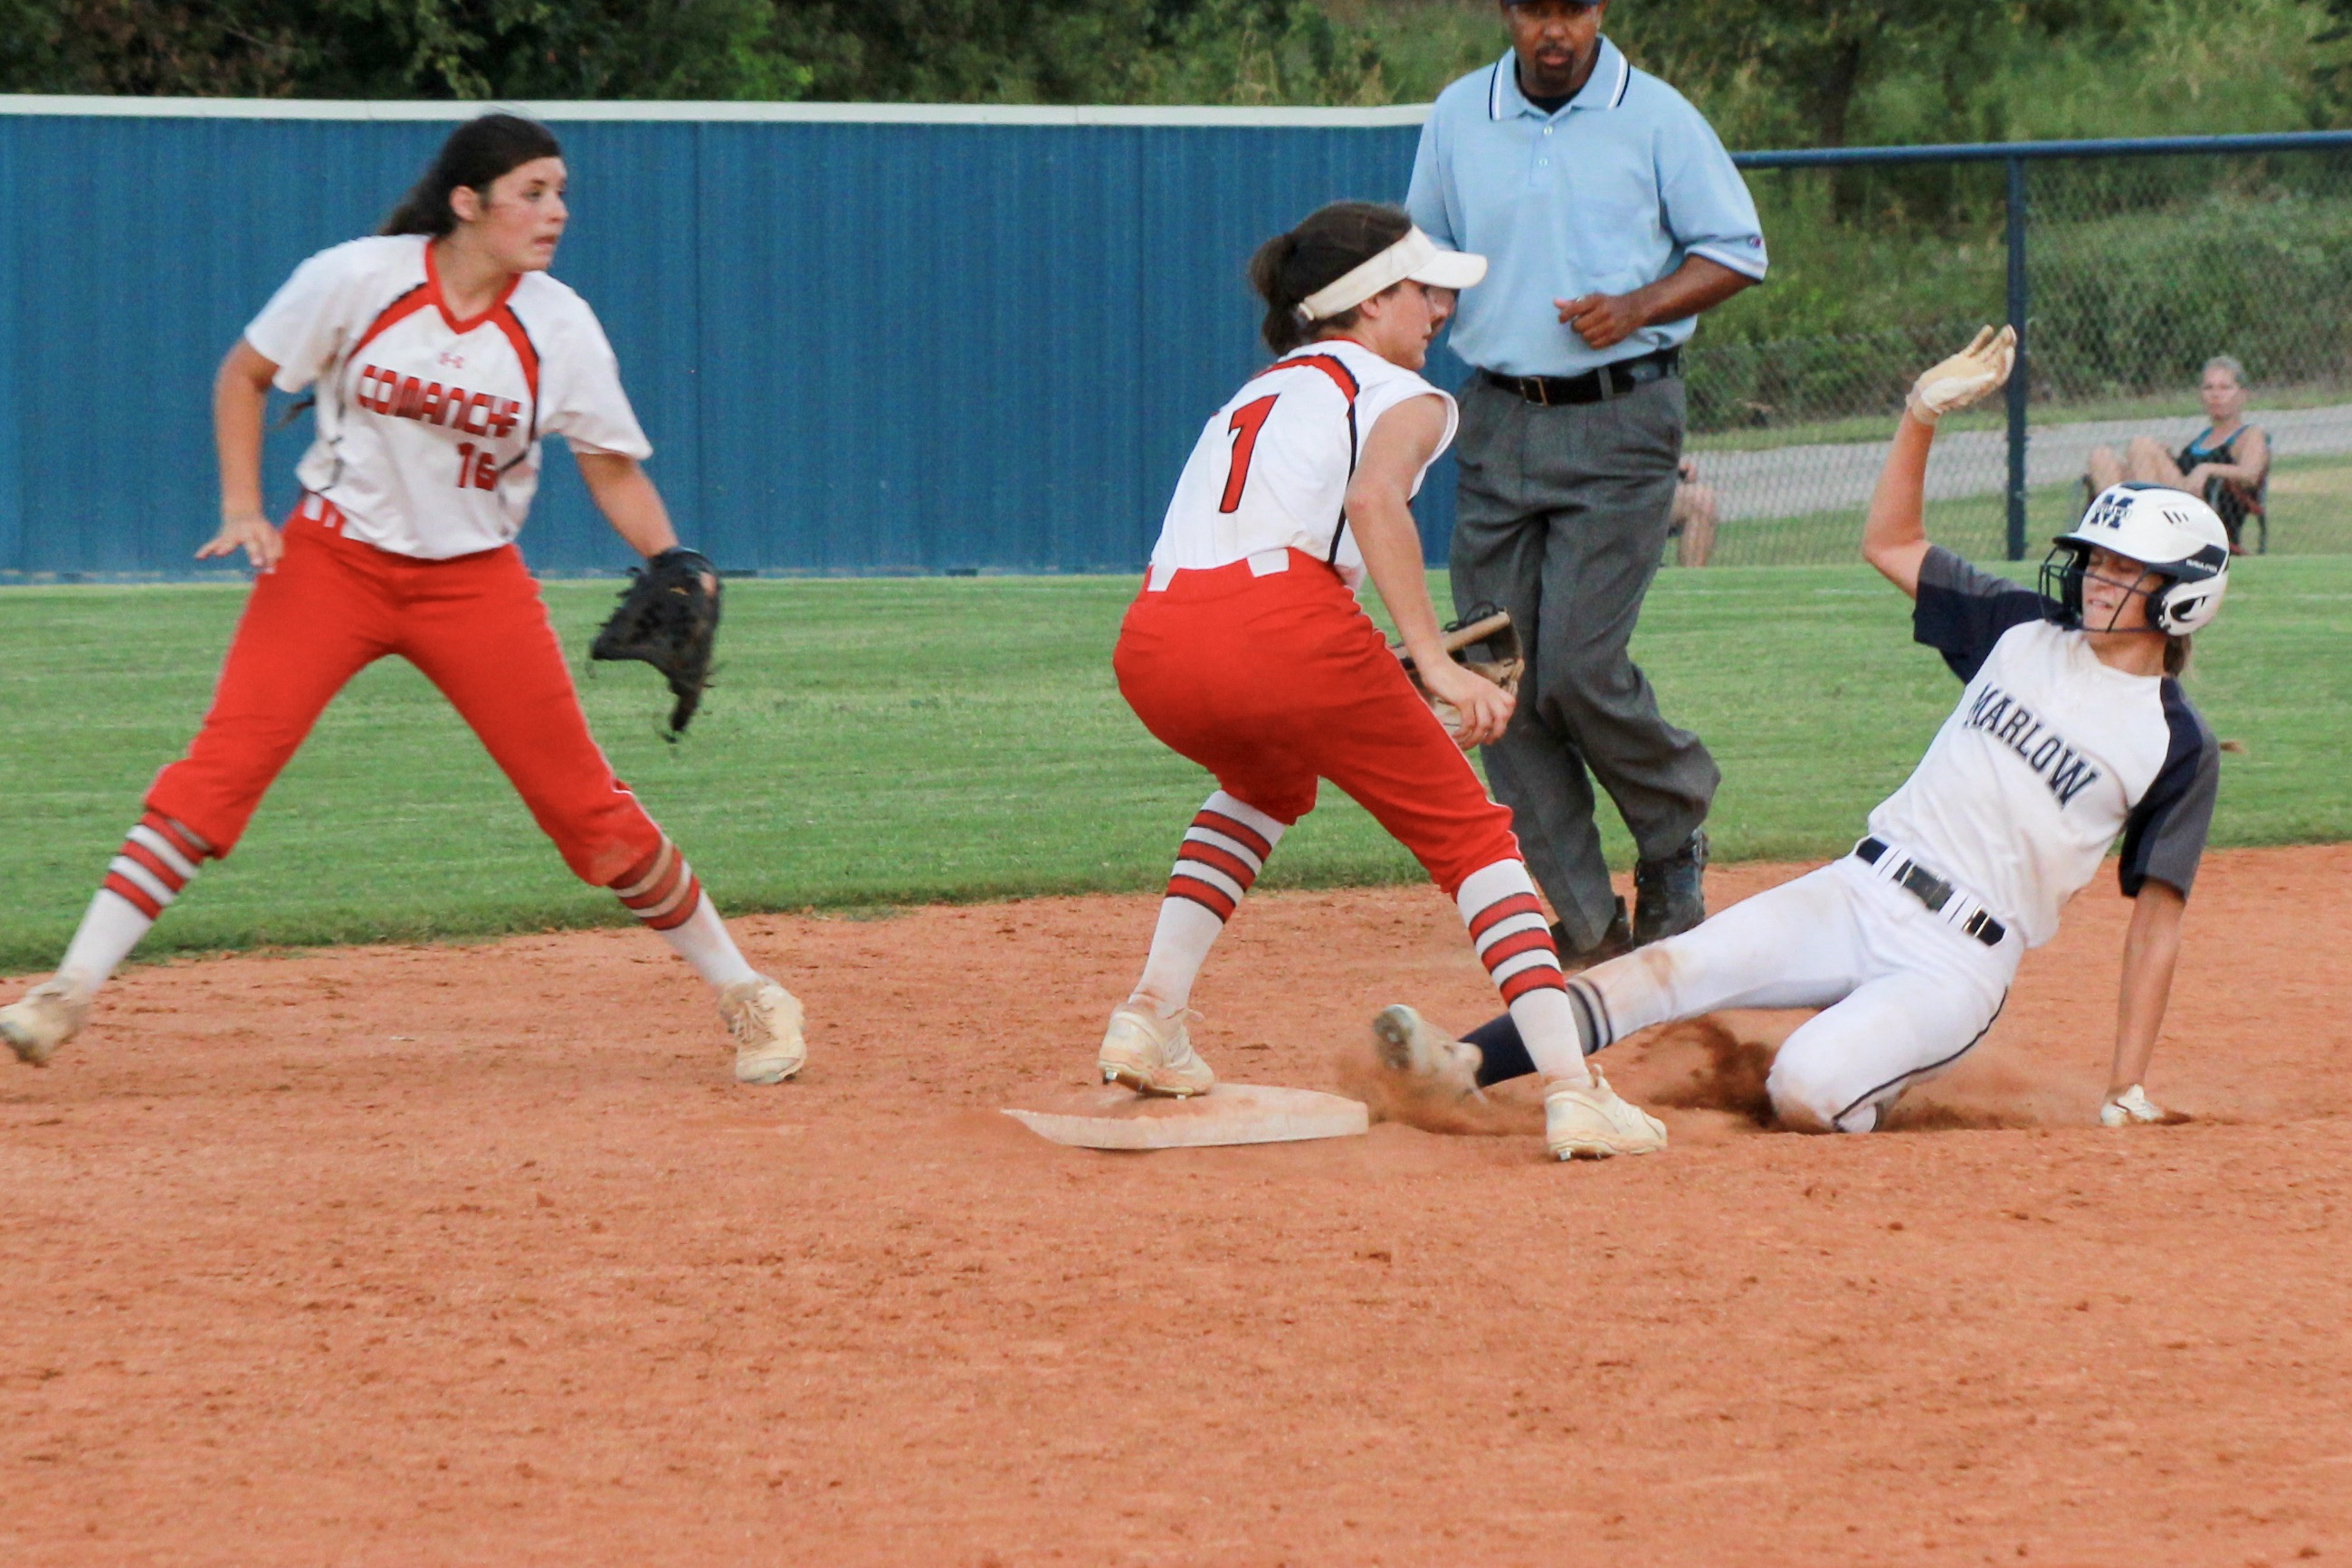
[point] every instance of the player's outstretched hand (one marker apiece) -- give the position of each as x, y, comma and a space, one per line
1967, 376
251, 532
2133, 1108
1474, 708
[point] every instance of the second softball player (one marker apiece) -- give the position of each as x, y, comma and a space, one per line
2073, 729
442, 353
1247, 651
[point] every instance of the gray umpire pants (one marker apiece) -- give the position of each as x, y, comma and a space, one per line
1561, 520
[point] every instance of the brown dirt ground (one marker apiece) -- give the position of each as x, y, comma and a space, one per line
475, 1255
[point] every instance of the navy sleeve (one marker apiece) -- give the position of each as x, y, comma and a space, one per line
1961, 613
2164, 837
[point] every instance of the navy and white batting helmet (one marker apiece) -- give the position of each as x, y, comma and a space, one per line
2168, 531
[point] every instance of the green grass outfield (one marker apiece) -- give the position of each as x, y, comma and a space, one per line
888, 742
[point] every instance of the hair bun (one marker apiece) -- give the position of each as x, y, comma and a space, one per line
1331, 242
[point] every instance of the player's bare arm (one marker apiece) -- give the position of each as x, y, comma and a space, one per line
240, 399
1399, 447
1606, 319
2151, 949
1894, 536
625, 493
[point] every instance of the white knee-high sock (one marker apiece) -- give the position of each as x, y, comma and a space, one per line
1507, 927
159, 858
662, 891
705, 942
1217, 865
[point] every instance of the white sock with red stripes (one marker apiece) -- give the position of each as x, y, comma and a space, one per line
1217, 865
1507, 927
662, 891
158, 859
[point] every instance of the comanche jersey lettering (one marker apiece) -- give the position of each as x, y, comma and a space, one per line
2050, 754
1271, 468
428, 427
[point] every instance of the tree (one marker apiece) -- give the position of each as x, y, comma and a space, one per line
1820, 58
954, 50
397, 48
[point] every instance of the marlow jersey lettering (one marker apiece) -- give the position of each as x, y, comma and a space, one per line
1271, 468
2050, 754
429, 426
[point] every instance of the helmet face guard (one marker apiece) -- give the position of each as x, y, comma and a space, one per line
2068, 565
2170, 533
2062, 579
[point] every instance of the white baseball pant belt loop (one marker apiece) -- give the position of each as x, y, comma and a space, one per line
1264, 563
1942, 898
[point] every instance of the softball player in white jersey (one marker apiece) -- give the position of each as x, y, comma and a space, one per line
441, 354
2072, 729
1247, 651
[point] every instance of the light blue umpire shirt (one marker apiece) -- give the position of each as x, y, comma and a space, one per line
1604, 197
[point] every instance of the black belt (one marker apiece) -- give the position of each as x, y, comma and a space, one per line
1595, 385
1935, 893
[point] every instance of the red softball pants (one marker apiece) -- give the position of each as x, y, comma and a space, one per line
477, 628
1275, 681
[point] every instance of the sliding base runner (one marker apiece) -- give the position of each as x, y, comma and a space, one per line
2073, 731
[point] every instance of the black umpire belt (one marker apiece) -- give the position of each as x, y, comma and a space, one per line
1592, 386
1940, 896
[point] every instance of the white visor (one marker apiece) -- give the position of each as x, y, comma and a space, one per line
1415, 257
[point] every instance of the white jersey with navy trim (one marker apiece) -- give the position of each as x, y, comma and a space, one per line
428, 427
2050, 754
1271, 469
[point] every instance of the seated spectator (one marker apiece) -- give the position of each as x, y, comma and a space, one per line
1692, 525
2228, 464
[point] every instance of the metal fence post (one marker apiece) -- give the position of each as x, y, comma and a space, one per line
2017, 380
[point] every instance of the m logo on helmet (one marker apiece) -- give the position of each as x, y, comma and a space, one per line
2108, 511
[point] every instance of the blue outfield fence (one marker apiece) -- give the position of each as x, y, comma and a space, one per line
866, 345
921, 338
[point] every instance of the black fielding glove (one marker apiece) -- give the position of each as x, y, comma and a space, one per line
668, 617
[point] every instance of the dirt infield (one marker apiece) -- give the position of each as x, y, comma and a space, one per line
475, 1255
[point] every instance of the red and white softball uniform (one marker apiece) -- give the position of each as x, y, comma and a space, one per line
423, 473
1271, 469
429, 426
1249, 653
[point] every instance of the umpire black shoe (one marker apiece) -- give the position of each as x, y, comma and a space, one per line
1670, 895
1614, 943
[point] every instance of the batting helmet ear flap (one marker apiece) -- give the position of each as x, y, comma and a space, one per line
2183, 605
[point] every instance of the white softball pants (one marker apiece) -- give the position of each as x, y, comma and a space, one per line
1905, 995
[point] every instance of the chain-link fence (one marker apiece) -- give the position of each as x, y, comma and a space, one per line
2128, 266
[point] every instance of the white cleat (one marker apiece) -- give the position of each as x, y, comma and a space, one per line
1153, 1055
2132, 1108
44, 1018
765, 1021
1589, 1122
1412, 1048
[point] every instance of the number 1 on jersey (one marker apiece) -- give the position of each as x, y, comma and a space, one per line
1247, 421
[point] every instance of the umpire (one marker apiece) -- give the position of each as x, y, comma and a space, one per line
1611, 216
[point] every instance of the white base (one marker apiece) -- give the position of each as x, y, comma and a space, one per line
1114, 1117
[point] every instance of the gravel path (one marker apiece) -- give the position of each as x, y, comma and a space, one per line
1791, 481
